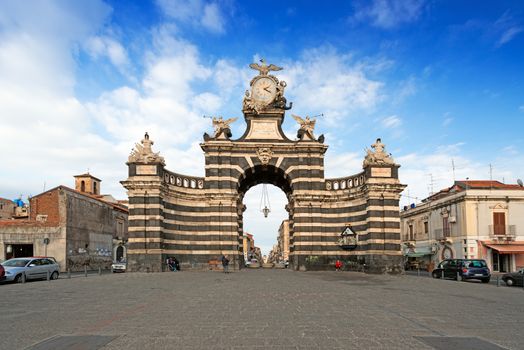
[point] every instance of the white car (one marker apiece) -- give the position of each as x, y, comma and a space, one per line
119, 266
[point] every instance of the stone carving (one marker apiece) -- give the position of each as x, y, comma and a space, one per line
264, 154
221, 127
378, 156
264, 68
143, 153
306, 128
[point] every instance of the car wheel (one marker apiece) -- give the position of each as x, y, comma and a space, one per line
510, 282
54, 275
485, 280
18, 278
435, 274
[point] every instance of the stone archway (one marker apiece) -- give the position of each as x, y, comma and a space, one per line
197, 219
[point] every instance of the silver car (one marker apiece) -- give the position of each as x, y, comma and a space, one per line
31, 268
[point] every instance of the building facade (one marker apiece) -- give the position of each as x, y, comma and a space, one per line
198, 219
74, 227
471, 220
283, 240
7, 209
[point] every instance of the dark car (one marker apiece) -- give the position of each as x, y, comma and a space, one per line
465, 269
2, 273
514, 278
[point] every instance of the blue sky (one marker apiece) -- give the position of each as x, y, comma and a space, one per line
80, 82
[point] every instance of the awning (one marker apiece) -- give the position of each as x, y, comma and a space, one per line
422, 251
507, 248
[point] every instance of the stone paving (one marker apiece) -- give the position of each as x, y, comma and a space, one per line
259, 309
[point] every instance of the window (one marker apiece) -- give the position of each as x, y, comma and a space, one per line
499, 223
411, 235
426, 227
94, 188
83, 186
445, 227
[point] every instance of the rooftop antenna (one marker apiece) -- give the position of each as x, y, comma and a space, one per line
44, 187
453, 168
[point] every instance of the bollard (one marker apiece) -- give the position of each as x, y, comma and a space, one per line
48, 276
99, 271
442, 274
458, 276
69, 273
23, 278
418, 271
85, 270
498, 281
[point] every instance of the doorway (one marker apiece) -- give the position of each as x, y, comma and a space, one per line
501, 262
18, 251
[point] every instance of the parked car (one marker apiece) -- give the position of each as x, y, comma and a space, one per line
31, 268
119, 266
514, 278
2, 273
465, 269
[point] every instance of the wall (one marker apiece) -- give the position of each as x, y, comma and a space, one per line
7, 209
91, 227
29, 233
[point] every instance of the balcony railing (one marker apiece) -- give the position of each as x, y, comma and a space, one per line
502, 230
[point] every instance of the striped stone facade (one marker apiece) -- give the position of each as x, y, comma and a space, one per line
199, 219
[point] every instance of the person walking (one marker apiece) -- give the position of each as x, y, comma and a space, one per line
338, 265
176, 264
225, 263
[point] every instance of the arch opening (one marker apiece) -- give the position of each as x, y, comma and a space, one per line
251, 223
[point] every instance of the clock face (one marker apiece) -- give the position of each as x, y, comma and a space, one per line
264, 90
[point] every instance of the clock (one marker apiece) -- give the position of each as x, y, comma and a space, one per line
264, 90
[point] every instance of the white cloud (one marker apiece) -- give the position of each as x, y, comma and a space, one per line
392, 121
389, 14
46, 131
196, 12
447, 120
324, 81
104, 46
506, 28
212, 18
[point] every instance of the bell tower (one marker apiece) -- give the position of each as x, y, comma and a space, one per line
87, 183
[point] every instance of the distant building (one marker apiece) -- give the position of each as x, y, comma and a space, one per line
75, 226
7, 209
248, 244
471, 219
283, 240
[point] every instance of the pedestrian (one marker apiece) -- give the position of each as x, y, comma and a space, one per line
225, 263
338, 265
171, 264
176, 264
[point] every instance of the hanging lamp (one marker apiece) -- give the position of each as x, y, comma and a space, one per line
265, 206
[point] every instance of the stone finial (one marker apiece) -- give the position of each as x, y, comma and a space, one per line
143, 153
378, 155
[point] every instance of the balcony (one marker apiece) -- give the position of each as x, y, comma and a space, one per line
502, 231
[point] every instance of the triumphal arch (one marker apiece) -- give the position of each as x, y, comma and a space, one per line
197, 219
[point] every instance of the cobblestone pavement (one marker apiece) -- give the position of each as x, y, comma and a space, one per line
259, 309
